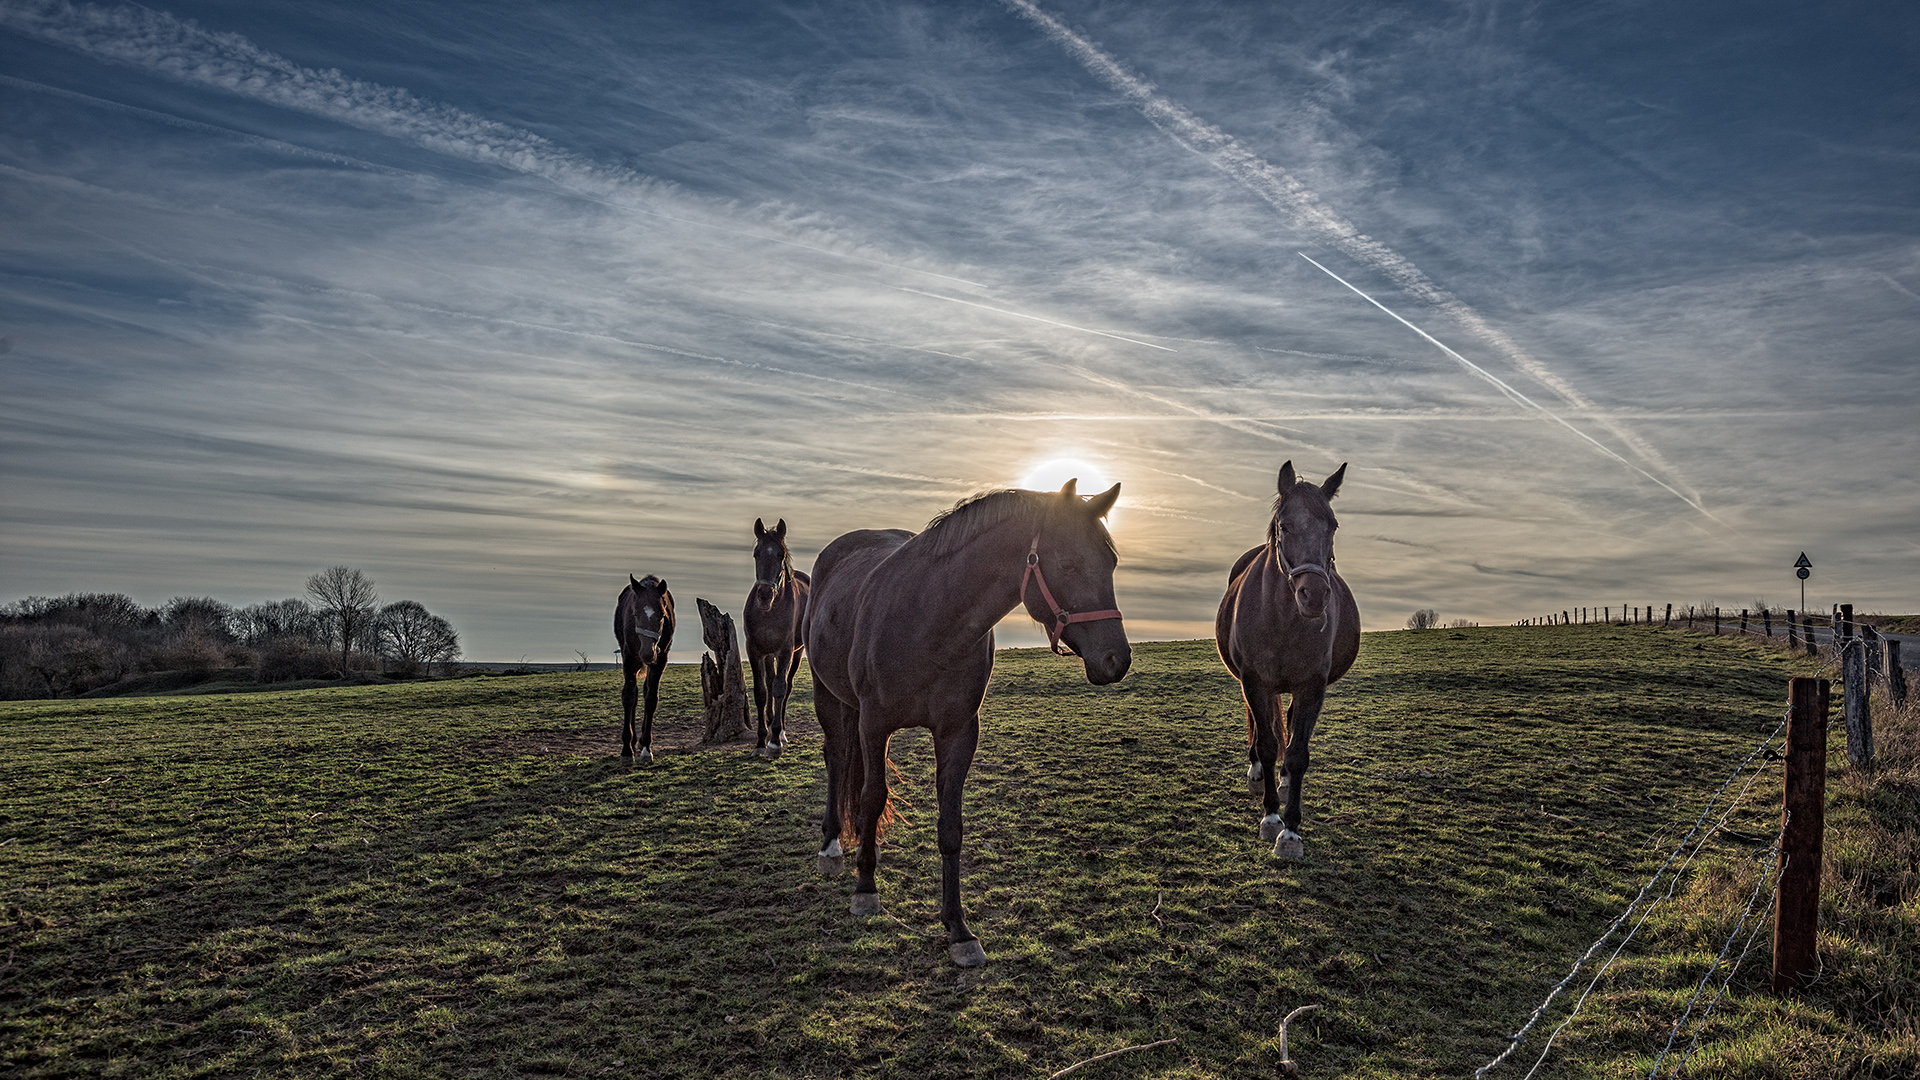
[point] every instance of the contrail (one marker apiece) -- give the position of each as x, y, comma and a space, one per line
185, 52
1035, 318
1280, 190
1517, 396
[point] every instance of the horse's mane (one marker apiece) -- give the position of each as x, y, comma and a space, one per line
953, 528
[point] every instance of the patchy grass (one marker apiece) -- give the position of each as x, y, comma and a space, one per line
459, 878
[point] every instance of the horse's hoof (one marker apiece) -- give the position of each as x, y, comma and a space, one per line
967, 954
866, 903
1254, 775
832, 865
771, 751
644, 757
1270, 826
1290, 845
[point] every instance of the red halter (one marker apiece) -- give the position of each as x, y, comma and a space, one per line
1062, 618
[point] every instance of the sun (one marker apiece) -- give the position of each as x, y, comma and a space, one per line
1049, 475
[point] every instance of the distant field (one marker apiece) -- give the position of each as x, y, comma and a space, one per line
459, 878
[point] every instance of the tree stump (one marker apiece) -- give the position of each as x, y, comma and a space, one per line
723, 689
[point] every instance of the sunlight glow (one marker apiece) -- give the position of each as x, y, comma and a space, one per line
1049, 475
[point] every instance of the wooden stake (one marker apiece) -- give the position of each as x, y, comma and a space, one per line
1804, 803
1853, 667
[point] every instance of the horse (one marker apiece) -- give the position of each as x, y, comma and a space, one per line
1288, 625
643, 625
775, 611
900, 634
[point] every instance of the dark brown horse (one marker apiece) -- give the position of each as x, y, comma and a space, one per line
776, 609
643, 625
900, 634
1288, 625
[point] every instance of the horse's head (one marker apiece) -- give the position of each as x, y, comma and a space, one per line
1073, 560
1301, 535
651, 613
772, 564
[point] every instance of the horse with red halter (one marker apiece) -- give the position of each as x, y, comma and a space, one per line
643, 625
900, 634
775, 611
1288, 625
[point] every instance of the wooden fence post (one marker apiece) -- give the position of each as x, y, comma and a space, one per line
1716, 622
1853, 668
723, 689
1766, 619
1872, 638
1846, 620
1743, 620
1668, 621
1804, 806
1793, 633
1896, 675
1806, 631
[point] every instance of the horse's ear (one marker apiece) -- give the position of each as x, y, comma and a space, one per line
780, 530
1331, 486
759, 529
663, 585
1287, 479
1103, 502
1067, 489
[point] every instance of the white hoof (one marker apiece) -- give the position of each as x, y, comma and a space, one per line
1290, 846
967, 954
771, 751
1254, 775
1270, 826
643, 757
866, 903
831, 862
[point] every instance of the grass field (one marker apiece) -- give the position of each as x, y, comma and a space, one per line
459, 878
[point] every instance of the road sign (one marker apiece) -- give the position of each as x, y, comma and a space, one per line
1802, 567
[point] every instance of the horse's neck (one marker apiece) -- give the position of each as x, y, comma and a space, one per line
955, 599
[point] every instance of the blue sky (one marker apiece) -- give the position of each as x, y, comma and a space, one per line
499, 305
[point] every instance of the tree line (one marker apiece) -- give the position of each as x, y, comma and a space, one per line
68, 645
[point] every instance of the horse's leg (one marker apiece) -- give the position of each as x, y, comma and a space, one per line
629, 698
754, 664
1263, 704
651, 695
1302, 713
834, 719
873, 802
1254, 771
780, 667
953, 756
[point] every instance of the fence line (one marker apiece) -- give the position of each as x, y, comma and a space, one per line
1771, 871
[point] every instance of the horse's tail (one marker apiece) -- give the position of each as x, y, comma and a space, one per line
854, 785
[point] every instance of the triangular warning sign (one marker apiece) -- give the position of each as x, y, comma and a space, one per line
1803, 563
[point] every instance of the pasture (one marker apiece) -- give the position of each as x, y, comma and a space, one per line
459, 878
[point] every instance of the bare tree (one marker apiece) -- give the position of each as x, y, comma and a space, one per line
413, 637
1424, 619
347, 597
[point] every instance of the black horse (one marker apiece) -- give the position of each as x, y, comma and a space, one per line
643, 625
776, 609
1288, 625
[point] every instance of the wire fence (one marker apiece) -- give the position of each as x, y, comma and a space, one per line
1684, 853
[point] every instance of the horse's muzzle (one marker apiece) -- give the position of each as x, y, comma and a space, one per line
1103, 650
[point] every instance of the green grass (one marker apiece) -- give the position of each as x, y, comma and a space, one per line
460, 878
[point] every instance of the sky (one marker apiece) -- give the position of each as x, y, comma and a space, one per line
1602, 304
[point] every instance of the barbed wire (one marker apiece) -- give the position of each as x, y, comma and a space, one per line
1540, 1011
1776, 868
